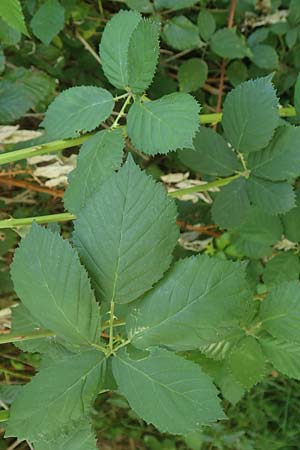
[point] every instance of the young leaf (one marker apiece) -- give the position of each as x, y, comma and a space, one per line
192, 74
82, 438
280, 160
211, 155
246, 362
55, 287
282, 267
285, 356
227, 44
85, 107
206, 24
280, 312
273, 198
168, 391
181, 34
98, 158
57, 398
143, 53
126, 248
195, 304
231, 205
114, 47
48, 21
11, 12
163, 125
246, 108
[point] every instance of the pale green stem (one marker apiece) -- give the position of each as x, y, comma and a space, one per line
111, 327
4, 415
204, 187
121, 113
56, 146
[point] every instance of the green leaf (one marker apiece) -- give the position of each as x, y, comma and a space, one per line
143, 54
55, 287
11, 12
114, 47
297, 96
143, 6
273, 198
192, 74
237, 72
196, 303
168, 391
250, 115
98, 158
285, 356
282, 267
211, 155
280, 312
265, 57
84, 106
280, 160
227, 44
57, 398
294, 12
206, 24
82, 438
48, 21
174, 4
8, 35
180, 33
13, 102
231, 205
126, 248
246, 363
163, 125
260, 228
291, 222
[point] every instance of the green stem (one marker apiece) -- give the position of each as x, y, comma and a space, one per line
38, 334
51, 218
4, 415
111, 327
15, 374
41, 149
63, 217
56, 146
121, 113
204, 187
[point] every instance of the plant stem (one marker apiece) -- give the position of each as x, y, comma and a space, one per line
56, 146
38, 334
121, 113
111, 327
204, 187
51, 218
63, 217
4, 415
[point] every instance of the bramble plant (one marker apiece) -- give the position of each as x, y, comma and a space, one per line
111, 310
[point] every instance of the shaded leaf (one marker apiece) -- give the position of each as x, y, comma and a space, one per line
206, 24
192, 74
181, 34
285, 356
48, 21
227, 44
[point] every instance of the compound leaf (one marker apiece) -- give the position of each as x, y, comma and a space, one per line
211, 154
114, 47
11, 12
280, 312
181, 34
57, 397
84, 106
273, 198
227, 44
285, 356
97, 160
195, 304
246, 108
280, 160
55, 287
127, 247
167, 390
163, 125
143, 53
231, 205
48, 21
246, 362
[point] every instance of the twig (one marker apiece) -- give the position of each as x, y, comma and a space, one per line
31, 187
88, 47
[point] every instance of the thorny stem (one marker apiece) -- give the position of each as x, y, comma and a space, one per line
57, 146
